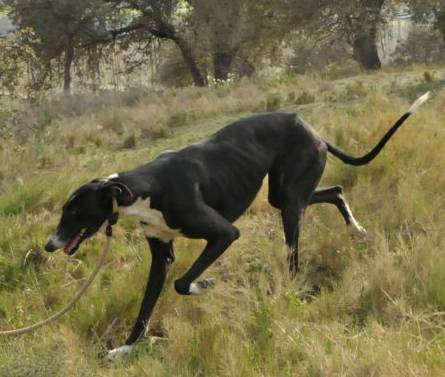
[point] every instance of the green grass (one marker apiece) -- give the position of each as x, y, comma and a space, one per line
359, 307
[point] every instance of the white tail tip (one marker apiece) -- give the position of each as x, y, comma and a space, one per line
418, 102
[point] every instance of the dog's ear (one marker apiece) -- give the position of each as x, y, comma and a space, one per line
111, 189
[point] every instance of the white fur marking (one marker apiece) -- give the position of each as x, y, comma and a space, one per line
103, 227
418, 102
156, 225
120, 351
112, 176
194, 289
354, 223
56, 241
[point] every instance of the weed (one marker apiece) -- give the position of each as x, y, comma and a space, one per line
129, 141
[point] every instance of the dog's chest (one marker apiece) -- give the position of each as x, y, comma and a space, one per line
152, 221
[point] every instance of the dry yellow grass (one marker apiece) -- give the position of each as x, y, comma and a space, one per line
359, 307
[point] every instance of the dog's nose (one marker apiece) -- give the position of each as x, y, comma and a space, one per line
54, 243
50, 247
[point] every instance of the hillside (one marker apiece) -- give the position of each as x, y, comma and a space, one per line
371, 306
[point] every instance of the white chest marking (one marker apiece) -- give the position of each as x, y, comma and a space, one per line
156, 225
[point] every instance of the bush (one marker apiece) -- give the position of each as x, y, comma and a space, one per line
356, 90
305, 98
129, 141
273, 102
173, 72
177, 119
310, 55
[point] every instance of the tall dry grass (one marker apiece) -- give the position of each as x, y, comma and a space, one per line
359, 307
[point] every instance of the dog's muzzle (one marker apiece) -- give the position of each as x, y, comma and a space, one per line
54, 243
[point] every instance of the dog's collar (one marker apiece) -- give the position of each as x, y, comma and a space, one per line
121, 186
113, 218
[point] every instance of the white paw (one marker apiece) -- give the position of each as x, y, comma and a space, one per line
198, 287
357, 229
119, 352
195, 289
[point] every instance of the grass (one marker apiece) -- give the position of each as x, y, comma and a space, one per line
359, 307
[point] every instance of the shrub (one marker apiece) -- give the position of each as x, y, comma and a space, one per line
173, 72
177, 119
305, 98
428, 76
273, 102
355, 90
311, 55
129, 141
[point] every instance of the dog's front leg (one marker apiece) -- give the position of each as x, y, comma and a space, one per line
161, 256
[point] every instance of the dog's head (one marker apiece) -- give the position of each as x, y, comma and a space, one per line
83, 215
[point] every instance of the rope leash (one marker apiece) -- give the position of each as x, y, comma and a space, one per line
82, 290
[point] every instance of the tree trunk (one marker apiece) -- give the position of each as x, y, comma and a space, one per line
365, 50
190, 61
164, 30
222, 65
69, 57
364, 40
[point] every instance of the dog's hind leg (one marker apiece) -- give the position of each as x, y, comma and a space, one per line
296, 197
296, 193
161, 256
334, 195
206, 223
292, 216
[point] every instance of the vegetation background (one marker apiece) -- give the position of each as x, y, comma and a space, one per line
89, 88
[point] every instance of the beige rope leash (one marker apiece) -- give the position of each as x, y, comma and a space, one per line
78, 295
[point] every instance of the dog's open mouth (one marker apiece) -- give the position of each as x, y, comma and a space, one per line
72, 245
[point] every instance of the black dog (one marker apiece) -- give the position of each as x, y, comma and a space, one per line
199, 191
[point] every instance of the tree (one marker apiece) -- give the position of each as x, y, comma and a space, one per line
429, 12
355, 21
363, 26
247, 29
220, 23
160, 18
61, 28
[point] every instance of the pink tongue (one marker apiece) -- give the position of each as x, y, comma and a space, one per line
72, 244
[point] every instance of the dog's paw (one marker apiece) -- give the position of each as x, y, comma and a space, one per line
118, 352
198, 287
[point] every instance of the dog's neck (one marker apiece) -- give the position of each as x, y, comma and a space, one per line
131, 193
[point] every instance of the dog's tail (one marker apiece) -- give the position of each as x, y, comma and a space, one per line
357, 161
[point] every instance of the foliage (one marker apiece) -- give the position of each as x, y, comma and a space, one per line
60, 28
308, 54
15, 60
355, 22
247, 31
101, 44
429, 12
423, 45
